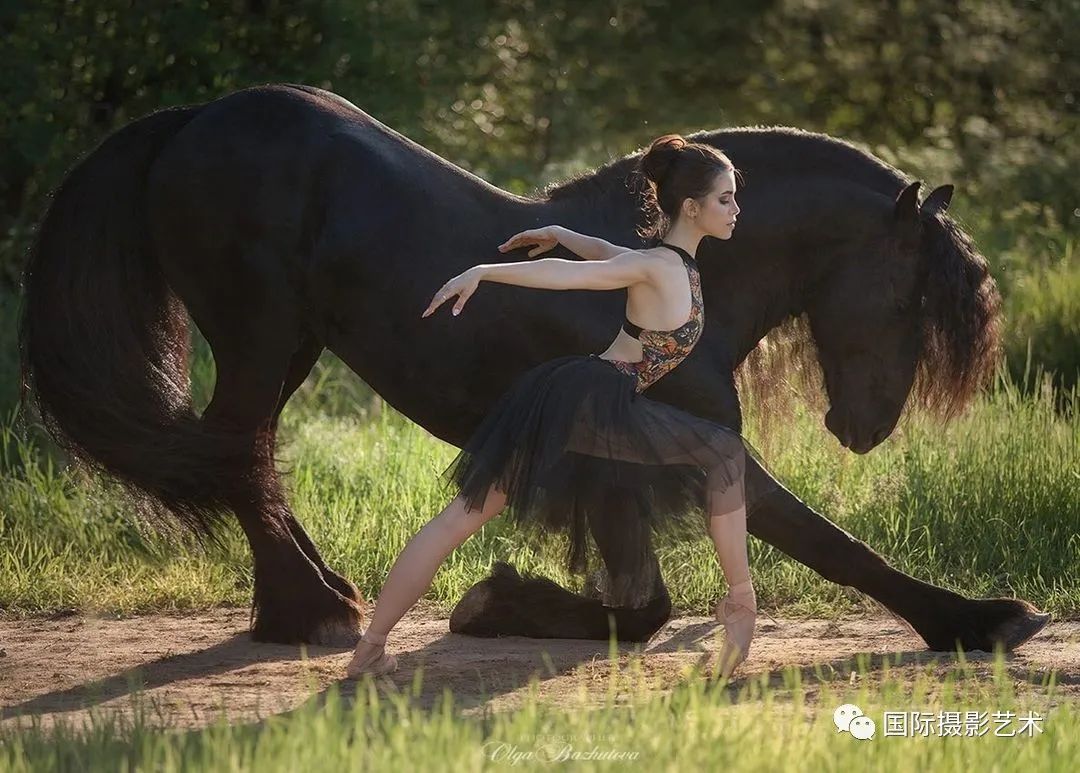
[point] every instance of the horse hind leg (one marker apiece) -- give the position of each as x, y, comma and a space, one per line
508, 604
293, 602
300, 365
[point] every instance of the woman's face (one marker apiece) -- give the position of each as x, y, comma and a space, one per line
717, 210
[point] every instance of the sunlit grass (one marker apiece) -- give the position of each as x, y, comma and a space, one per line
773, 722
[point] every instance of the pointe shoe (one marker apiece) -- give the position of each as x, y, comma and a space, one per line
371, 657
739, 621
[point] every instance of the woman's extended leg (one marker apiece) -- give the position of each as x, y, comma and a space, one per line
413, 572
738, 610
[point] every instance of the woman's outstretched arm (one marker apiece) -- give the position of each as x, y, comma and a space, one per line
588, 247
623, 270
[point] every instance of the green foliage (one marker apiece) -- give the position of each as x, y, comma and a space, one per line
985, 89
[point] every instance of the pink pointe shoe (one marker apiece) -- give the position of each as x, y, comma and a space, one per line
371, 657
739, 621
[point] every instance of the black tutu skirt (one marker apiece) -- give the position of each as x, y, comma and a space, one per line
577, 450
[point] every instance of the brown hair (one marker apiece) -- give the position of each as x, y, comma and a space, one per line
677, 170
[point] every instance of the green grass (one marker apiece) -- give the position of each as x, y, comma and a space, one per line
985, 506
774, 722
1042, 319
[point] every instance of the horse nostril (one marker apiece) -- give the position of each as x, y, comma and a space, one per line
880, 435
837, 426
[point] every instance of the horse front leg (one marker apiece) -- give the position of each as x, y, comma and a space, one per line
943, 618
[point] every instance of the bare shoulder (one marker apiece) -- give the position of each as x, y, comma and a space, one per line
650, 255
625, 269
651, 261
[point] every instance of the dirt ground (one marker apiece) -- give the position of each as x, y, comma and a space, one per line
192, 666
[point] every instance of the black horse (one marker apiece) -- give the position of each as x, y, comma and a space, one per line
283, 219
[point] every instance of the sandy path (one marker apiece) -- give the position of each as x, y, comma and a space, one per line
191, 666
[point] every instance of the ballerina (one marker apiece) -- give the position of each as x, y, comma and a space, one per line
575, 429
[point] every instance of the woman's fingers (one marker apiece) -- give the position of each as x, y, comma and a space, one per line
447, 292
519, 240
462, 298
542, 237
437, 301
542, 246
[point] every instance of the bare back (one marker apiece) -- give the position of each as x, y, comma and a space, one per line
662, 305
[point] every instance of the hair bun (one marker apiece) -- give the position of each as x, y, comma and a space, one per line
661, 156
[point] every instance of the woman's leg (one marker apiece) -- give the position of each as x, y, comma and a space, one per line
727, 527
416, 566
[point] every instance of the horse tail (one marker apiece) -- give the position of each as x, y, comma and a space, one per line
103, 341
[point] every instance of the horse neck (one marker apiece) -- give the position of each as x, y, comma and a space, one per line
786, 254
764, 282
606, 212
744, 306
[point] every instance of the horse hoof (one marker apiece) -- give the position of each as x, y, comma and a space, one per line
337, 634
1018, 630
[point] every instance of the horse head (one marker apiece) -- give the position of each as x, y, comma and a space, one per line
906, 313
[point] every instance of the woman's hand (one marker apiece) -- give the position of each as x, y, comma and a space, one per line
463, 285
544, 238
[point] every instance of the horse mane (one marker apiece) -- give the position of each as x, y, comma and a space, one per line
592, 184
777, 375
961, 320
960, 325
789, 149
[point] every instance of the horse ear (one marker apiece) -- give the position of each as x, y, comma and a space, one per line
938, 200
906, 210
